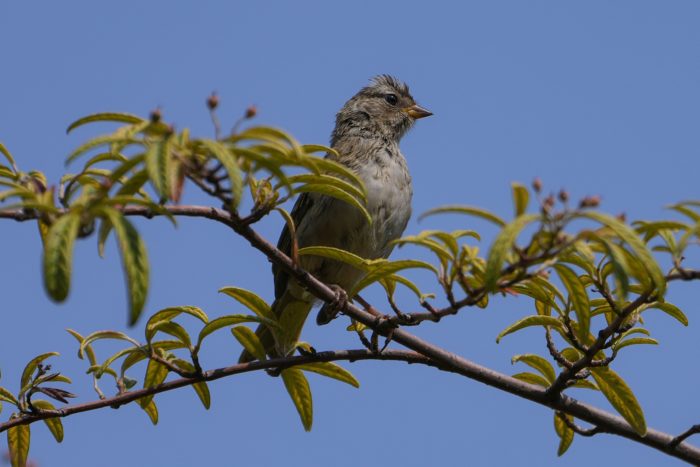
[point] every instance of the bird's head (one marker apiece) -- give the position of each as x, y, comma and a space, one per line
385, 109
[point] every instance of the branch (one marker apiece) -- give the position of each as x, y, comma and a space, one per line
211, 375
441, 358
683, 436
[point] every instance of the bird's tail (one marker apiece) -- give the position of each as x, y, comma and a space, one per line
291, 314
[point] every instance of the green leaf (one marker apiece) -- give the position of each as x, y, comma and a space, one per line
97, 335
330, 370
442, 252
250, 341
534, 320
90, 352
671, 310
331, 166
100, 141
105, 117
8, 156
136, 355
225, 321
502, 246
173, 329
470, 210
155, 374
31, 367
636, 244
228, 160
566, 434
54, 425
58, 255
634, 341
250, 300
201, 388
158, 162
521, 198
335, 192
151, 409
578, 297
7, 396
170, 313
336, 254
298, 389
134, 261
538, 363
532, 378
18, 438
385, 269
324, 179
620, 397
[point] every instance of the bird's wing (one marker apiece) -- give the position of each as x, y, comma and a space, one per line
284, 244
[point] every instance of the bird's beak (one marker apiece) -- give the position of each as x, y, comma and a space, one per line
416, 111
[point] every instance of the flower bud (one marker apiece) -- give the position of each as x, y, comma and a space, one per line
251, 112
156, 115
537, 184
213, 101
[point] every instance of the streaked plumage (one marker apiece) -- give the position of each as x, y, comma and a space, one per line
366, 137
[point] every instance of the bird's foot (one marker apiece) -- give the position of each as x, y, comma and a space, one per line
330, 310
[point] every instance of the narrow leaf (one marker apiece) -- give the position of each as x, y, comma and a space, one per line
565, 433
534, 320
158, 166
502, 246
335, 192
228, 160
225, 321
640, 250
336, 254
18, 444
578, 297
330, 370
151, 409
250, 300
134, 261
54, 425
521, 198
250, 341
538, 363
105, 117
470, 210
58, 255
298, 389
620, 397
155, 375
31, 367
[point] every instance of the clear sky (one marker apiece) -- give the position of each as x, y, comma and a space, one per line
598, 97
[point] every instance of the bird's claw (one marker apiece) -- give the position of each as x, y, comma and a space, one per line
330, 310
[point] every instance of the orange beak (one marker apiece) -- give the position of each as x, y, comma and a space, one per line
416, 111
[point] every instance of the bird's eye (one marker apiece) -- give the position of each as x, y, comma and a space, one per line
391, 99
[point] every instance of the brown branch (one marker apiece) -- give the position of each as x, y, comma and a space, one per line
439, 357
588, 432
695, 429
570, 373
211, 375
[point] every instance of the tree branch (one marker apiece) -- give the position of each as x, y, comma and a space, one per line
211, 375
441, 358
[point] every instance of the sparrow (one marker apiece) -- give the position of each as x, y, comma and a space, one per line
366, 139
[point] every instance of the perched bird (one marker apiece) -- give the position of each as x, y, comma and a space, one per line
366, 138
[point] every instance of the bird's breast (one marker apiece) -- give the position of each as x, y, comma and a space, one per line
389, 193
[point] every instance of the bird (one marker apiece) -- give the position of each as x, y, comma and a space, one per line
365, 139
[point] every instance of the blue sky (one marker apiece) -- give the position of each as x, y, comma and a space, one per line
598, 97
